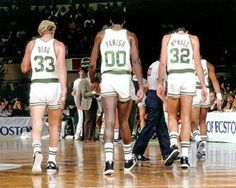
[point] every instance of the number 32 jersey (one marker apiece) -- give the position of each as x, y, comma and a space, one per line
115, 51
180, 54
43, 61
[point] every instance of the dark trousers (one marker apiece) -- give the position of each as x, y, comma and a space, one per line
90, 121
155, 122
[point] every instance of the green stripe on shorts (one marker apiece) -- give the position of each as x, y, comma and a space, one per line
117, 72
45, 80
38, 104
180, 71
188, 93
171, 95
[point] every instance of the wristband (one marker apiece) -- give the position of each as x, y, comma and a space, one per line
219, 96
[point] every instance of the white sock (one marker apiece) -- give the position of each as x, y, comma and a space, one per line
185, 148
36, 145
52, 154
196, 135
109, 150
127, 151
173, 138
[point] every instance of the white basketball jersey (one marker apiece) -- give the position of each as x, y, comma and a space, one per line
206, 76
43, 60
180, 54
115, 51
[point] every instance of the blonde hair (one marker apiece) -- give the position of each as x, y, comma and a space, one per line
46, 26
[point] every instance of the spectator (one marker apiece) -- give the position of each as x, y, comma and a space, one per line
213, 101
3, 111
230, 102
18, 109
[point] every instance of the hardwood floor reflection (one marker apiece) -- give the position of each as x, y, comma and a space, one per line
81, 165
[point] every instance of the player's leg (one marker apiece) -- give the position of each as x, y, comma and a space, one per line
37, 113
203, 129
173, 109
109, 107
54, 120
123, 116
186, 105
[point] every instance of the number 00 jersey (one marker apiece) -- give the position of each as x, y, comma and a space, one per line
180, 54
115, 51
43, 62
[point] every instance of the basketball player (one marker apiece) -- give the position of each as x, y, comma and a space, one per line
200, 108
45, 56
117, 45
178, 51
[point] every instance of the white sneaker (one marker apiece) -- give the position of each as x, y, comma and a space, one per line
200, 149
37, 161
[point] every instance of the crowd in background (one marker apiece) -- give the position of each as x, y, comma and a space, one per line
14, 99
76, 26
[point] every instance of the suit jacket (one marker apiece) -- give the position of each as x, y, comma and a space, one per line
86, 94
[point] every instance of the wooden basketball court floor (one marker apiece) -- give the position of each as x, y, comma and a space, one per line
81, 165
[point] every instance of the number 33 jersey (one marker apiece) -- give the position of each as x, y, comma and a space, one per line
43, 61
115, 51
180, 54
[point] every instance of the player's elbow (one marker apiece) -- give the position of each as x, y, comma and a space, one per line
24, 69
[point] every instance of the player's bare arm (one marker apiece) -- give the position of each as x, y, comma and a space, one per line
136, 62
26, 64
94, 54
212, 76
215, 83
162, 67
62, 72
198, 65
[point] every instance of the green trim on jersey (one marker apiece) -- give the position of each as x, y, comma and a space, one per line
45, 80
180, 71
119, 72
